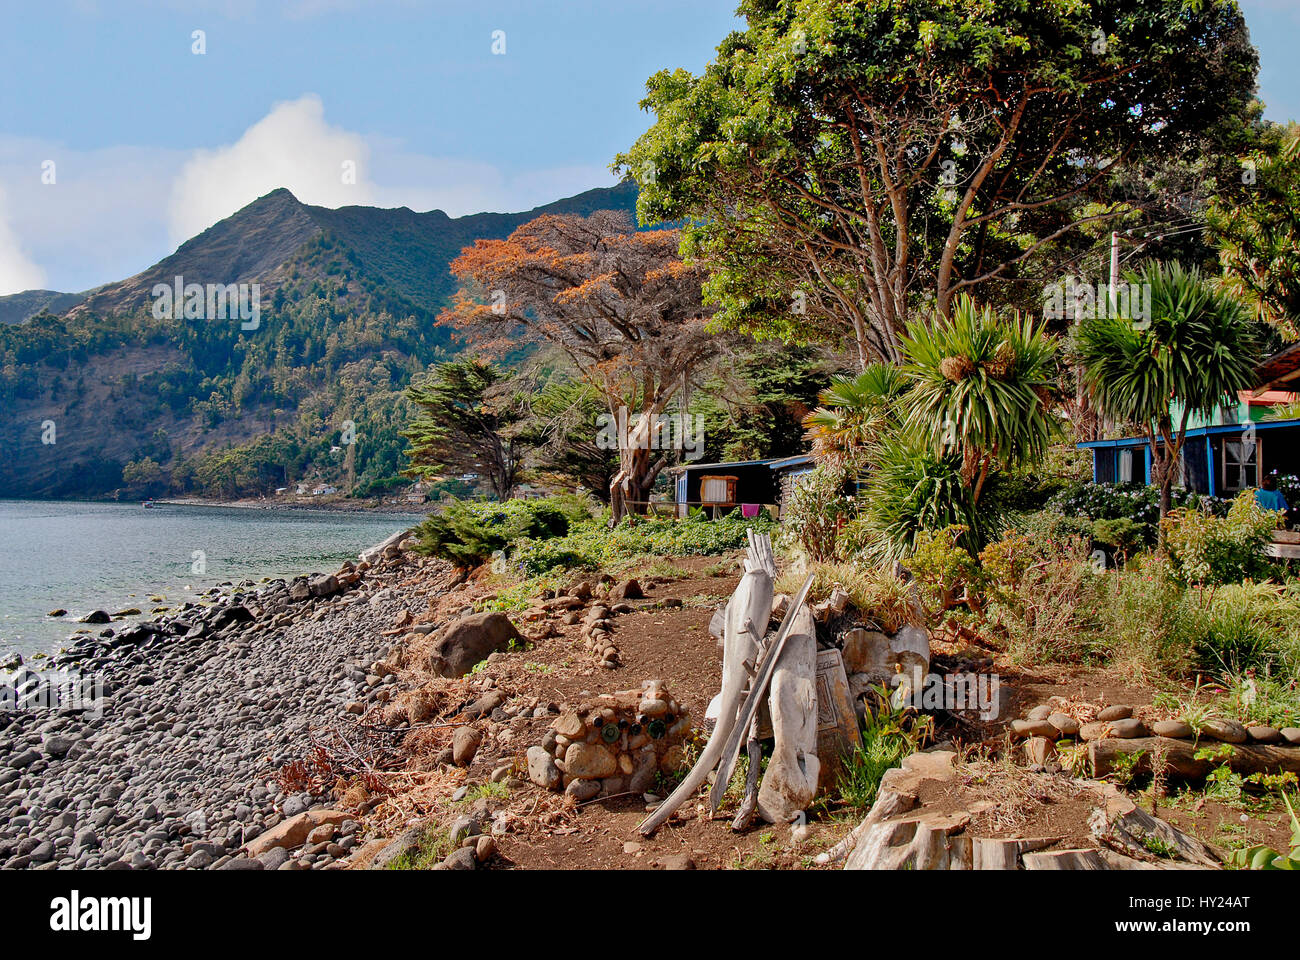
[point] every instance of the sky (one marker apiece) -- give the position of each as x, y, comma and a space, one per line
119, 139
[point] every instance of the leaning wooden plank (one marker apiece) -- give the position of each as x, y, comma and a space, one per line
1180, 756
748, 613
757, 692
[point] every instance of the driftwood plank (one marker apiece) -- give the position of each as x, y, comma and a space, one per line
748, 613
755, 697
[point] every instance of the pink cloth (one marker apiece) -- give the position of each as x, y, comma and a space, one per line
750, 510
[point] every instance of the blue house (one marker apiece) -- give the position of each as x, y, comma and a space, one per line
1230, 451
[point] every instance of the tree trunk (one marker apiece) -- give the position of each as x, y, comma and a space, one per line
630, 486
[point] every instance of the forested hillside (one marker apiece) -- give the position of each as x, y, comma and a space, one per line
108, 399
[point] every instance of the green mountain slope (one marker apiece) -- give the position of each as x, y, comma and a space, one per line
348, 298
17, 307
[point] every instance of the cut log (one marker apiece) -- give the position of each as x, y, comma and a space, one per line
790, 783
1180, 756
1066, 860
898, 794
1129, 830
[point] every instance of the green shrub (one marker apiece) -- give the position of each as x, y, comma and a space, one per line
592, 544
1211, 549
1041, 599
912, 490
1138, 503
467, 533
816, 514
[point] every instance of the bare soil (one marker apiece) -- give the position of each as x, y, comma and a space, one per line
666, 637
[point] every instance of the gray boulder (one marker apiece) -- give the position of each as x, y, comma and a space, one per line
462, 644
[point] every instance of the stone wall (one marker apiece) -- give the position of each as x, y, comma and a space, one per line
615, 743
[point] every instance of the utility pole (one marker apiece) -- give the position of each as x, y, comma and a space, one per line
1114, 270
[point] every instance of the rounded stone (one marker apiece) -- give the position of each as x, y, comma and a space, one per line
1128, 728
1065, 724
1115, 713
589, 761
1033, 728
1229, 731
1041, 712
1175, 729
583, 790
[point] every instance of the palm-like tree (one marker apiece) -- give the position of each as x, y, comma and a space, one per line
1198, 349
852, 414
981, 387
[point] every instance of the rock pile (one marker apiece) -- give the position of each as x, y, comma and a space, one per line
174, 765
1115, 732
614, 744
607, 598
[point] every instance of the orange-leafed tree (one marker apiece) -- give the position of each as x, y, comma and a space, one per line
618, 302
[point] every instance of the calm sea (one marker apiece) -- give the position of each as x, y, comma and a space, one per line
99, 556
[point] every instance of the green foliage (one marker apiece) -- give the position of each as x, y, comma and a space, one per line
1197, 348
911, 490
1209, 549
468, 533
473, 419
754, 402
1139, 504
854, 413
1260, 857
944, 569
808, 155
816, 512
1123, 533
593, 544
980, 388
888, 737
1257, 231
1041, 598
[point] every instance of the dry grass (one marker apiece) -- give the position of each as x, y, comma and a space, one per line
877, 594
1003, 797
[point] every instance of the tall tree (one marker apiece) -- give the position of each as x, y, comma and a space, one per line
619, 303
844, 164
1198, 350
1257, 230
566, 415
981, 388
473, 419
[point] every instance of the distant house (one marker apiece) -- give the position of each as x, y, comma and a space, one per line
1227, 453
749, 484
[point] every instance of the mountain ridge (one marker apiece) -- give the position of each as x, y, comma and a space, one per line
145, 405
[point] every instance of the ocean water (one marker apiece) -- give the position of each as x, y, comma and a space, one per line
102, 556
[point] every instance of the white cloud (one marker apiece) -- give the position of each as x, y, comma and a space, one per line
17, 272
114, 211
293, 147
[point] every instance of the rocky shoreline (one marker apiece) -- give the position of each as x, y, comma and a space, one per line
177, 759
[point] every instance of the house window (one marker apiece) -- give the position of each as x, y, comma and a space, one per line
1240, 465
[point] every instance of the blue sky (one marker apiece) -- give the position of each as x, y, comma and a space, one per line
151, 143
